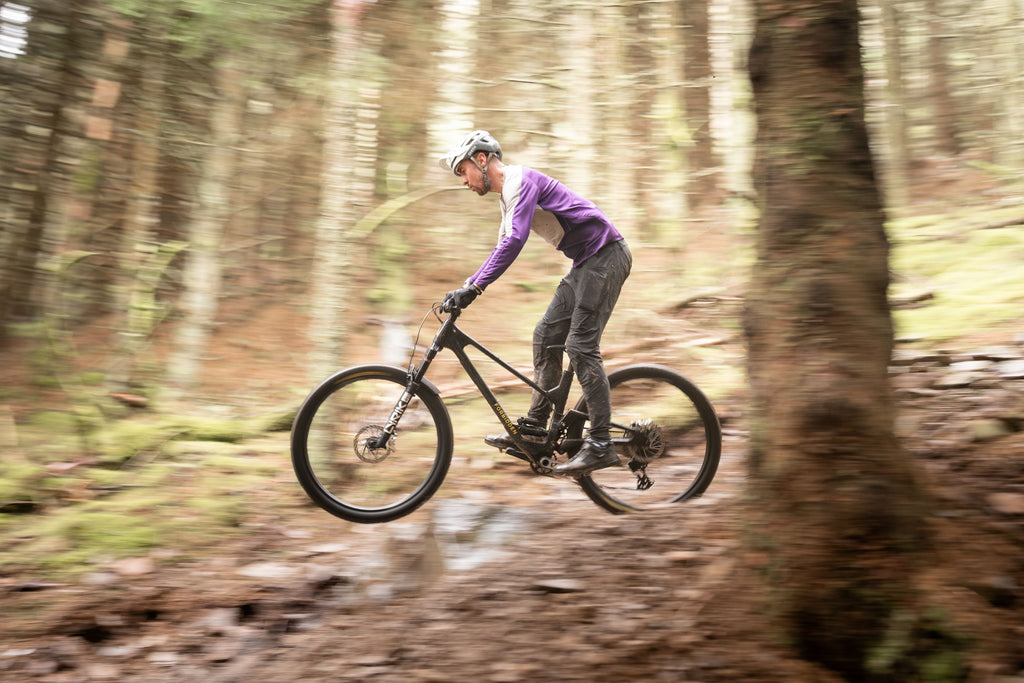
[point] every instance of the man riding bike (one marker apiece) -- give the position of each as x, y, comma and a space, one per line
582, 302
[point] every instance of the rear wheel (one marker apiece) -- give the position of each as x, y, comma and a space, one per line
666, 431
336, 452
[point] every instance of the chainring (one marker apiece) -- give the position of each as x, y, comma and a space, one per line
364, 451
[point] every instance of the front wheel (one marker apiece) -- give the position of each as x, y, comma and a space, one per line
667, 435
338, 454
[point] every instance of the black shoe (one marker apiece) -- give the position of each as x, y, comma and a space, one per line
594, 455
502, 441
530, 429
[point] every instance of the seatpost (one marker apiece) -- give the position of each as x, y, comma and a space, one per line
561, 393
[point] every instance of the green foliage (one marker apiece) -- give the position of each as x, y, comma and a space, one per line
226, 511
93, 379
53, 422
145, 312
214, 429
70, 540
199, 27
19, 480
153, 481
118, 441
975, 276
921, 648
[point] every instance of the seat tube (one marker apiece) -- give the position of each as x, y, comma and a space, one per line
561, 393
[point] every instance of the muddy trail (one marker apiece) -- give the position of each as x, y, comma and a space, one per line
510, 577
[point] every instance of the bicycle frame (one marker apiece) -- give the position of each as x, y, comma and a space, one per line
449, 336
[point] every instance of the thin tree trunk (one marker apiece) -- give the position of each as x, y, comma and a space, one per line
202, 276
897, 191
37, 177
580, 109
328, 326
1011, 154
943, 104
697, 75
140, 220
640, 153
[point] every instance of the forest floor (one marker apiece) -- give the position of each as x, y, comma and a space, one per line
509, 577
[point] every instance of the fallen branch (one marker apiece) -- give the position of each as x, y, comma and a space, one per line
910, 300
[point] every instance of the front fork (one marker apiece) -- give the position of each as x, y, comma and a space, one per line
391, 426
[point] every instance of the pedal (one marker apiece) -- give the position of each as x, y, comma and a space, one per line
516, 453
528, 427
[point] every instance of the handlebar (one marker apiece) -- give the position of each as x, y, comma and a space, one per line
450, 307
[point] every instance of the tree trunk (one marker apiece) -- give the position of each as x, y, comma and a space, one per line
943, 105
835, 495
36, 123
1011, 154
897, 175
696, 75
640, 153
139, 248
202, 276
581, 110
334, 248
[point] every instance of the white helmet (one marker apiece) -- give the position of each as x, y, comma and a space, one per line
477, 141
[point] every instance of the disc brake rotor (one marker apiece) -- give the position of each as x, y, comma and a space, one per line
367, 453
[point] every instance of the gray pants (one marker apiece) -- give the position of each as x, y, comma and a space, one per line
576, 317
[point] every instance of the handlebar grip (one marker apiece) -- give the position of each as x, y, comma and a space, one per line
450, 305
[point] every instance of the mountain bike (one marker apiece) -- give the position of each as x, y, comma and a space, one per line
372, 443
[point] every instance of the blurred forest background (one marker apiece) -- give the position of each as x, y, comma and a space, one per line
162, 157
208, 205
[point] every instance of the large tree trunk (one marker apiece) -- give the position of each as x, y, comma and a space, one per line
837, 502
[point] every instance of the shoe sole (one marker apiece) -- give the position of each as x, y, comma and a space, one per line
591, 468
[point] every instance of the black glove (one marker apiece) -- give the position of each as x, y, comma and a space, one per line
460, 298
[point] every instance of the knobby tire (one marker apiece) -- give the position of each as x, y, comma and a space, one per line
685, 420
370, 485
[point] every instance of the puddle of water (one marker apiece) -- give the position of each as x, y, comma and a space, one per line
471, 533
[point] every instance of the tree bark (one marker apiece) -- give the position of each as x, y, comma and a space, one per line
835, 494
334, 245
1011, 153
581, 110
139, 246
202, 276
897, 160
42, 88
696, 75
944, 110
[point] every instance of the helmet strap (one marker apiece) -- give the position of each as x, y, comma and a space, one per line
483, 169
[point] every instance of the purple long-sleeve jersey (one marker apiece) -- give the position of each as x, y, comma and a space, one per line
533, 201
